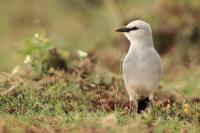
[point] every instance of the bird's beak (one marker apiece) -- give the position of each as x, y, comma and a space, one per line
124, 29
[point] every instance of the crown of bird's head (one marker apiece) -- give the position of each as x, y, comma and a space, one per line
137, 29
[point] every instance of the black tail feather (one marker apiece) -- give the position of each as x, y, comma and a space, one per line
143, 104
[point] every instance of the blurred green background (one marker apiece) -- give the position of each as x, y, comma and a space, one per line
89, 25
76, 96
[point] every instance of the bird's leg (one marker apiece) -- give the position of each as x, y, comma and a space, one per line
131, 104
130, 107
151, 99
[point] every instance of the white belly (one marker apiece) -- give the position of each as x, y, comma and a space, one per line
142, 72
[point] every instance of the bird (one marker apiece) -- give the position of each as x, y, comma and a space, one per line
142, 66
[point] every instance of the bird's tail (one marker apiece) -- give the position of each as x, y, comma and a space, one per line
143, 104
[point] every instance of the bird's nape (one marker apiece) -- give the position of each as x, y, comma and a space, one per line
143, 104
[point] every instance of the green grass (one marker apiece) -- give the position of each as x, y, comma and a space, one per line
57, 93
81, 100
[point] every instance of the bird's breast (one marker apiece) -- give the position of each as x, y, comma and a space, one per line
142, 68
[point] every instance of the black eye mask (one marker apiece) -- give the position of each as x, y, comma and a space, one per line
125, 29
134, 28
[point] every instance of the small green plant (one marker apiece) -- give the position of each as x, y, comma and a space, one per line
42, 54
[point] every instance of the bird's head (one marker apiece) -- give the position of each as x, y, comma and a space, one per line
136, 30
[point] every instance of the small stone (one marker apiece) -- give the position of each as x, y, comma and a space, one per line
109, 121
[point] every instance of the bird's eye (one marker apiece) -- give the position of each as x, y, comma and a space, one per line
134, 28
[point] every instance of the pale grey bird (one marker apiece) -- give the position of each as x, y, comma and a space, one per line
142, 68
